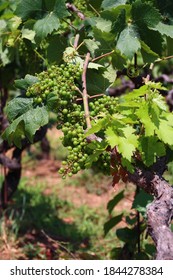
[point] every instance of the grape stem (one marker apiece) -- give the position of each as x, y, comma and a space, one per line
73, 9
102, 56
85, 95
76, 41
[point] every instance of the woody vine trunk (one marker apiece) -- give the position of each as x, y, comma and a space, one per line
159, 212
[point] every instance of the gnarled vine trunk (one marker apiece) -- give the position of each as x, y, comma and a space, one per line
159, 212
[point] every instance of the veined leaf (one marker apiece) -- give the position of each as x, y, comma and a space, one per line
113, 202
28, 8
151, 148
28, 81
165, 132
17, 107
148, 55
28, 34
60, 9
143, 114
103, 24
129, 133
130, 35
125, 148
144, 14
26, 125
136, 93
120, 22
46, 25
96, 127
112, 223
112, 137
141, 200
164, 29
108, 4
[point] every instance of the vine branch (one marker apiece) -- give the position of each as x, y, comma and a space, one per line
85, 94
102, 56
73, 9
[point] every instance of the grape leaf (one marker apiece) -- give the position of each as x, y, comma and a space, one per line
55, 54
26, 125
125, 148
148, 55
18, 106
165, 132
96, 127
112, 223
164, 29
112, 137
151, 148
130, 35
28, 34
113, 202
136, 93
60, 9
143, 114
46, 25
28, 8
141, 200
108, 4
105, 41
120, 23
145, 14
29, 80
129, 134
96, 82
92, 46
92, 158
103, 24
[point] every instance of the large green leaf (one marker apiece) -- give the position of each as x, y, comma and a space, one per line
120, 22
96, 82
105, 41
28, 81
148, 55
126, 149
99, 125
60, 8
18, 106
112, 223
112, 137
108, 4
141, 200
103, 24
26, 125
130, 35
165, 132
46, 25
55, 54
114, 201
143, 114
145, 14
151, 148
164, 29
29, 8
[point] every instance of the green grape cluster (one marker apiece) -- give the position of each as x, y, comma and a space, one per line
105, 104
74, 139
81, 5
59, 80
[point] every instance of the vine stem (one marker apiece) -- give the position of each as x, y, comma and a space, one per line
76, 41
73, 9
85, 94
102, 56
